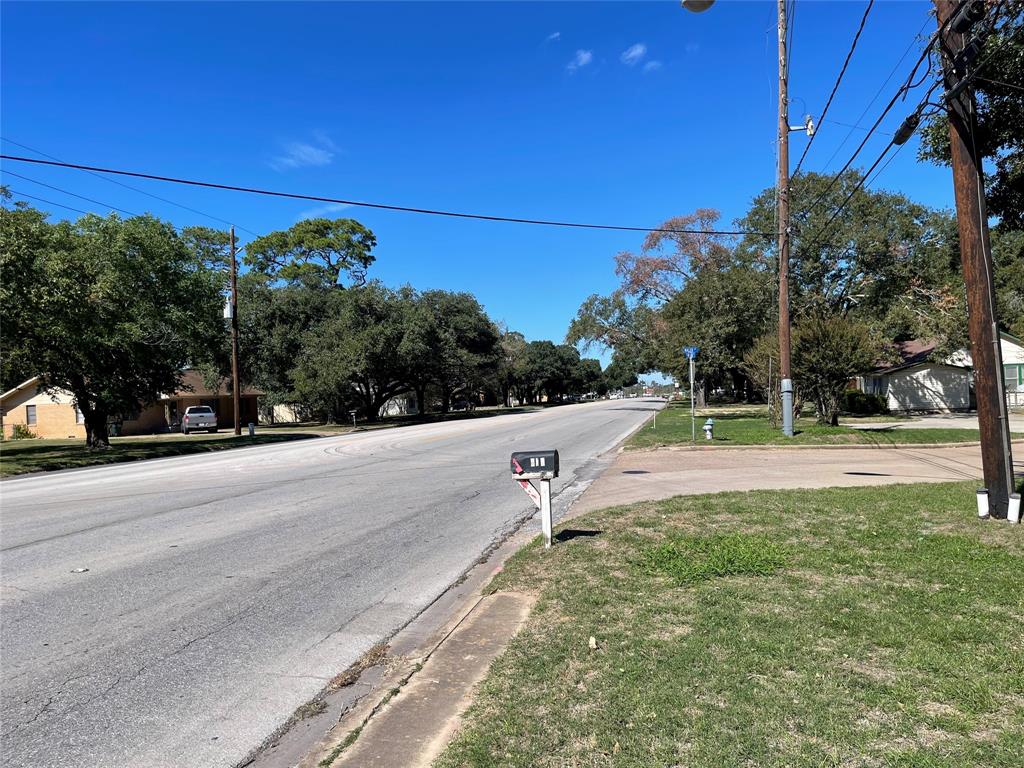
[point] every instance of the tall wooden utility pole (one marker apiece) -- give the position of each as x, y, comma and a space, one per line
235, 394
782, 207
976, 258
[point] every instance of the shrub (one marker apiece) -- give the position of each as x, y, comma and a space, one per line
863, 404
21, 432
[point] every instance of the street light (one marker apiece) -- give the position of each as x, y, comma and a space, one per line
697, 6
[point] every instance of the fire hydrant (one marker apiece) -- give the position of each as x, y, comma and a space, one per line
709, 429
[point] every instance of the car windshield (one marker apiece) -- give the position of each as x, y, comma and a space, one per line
200, 409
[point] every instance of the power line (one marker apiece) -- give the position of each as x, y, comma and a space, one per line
48, 202
378, 206
72, 194
875, 97
180, 230
1000, 82
921, 105
908, 84
790, 23
136, 189
857, 127
839, 79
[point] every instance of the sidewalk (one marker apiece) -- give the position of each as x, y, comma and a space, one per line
654, 475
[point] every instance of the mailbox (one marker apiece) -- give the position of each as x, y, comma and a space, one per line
535, 465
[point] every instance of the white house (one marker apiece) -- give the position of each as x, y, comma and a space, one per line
919, 383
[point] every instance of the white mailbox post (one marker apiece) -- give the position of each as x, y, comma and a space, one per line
537, 465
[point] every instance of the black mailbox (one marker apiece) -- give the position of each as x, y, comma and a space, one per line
535, 465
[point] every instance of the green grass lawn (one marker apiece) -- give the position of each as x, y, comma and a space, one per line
740, 427
843, 627
20, 456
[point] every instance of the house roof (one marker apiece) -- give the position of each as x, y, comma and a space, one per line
34, 381
912, 353
192, 386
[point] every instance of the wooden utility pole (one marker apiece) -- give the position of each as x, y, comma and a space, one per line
976, 258
782, 207
235, 393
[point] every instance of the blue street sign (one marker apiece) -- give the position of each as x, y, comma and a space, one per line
690, 352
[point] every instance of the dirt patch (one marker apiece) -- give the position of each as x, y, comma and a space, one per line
371, 658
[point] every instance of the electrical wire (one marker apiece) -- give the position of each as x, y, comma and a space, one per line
790, 23
875, 97
1000, 82
835, 87
48, 202
134, 189
378, 206
901, 92
858, 127
921, 105
72, 194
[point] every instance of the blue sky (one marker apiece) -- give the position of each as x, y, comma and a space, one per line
622, 113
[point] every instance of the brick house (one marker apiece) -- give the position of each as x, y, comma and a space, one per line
54, 415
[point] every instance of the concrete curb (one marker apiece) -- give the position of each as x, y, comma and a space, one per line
416, 654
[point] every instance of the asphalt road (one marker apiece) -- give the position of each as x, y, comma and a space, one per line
225, 590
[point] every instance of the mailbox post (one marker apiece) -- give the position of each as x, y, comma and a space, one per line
542, 466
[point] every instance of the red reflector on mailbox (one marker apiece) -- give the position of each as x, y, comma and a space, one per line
535, 465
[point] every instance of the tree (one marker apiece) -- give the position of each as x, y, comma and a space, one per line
588, 377
629, 327
827, 353
672, 255
464, 344
314, 252
761, 366
1000, 115
619, 374
511, 368
24, 238
353, 355
273, 320
882, 251
721, 311
120, 308
1008, 255
686, 286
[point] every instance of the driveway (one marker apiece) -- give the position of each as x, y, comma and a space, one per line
175, 612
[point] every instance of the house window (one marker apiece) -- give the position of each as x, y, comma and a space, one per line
30, 415
1013, 375
79, 416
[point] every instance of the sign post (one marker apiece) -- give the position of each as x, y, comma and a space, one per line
691, 355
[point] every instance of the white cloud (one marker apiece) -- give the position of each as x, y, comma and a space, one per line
580, 60
322, 211
301, 154
554, 36
632, 55
652, 65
